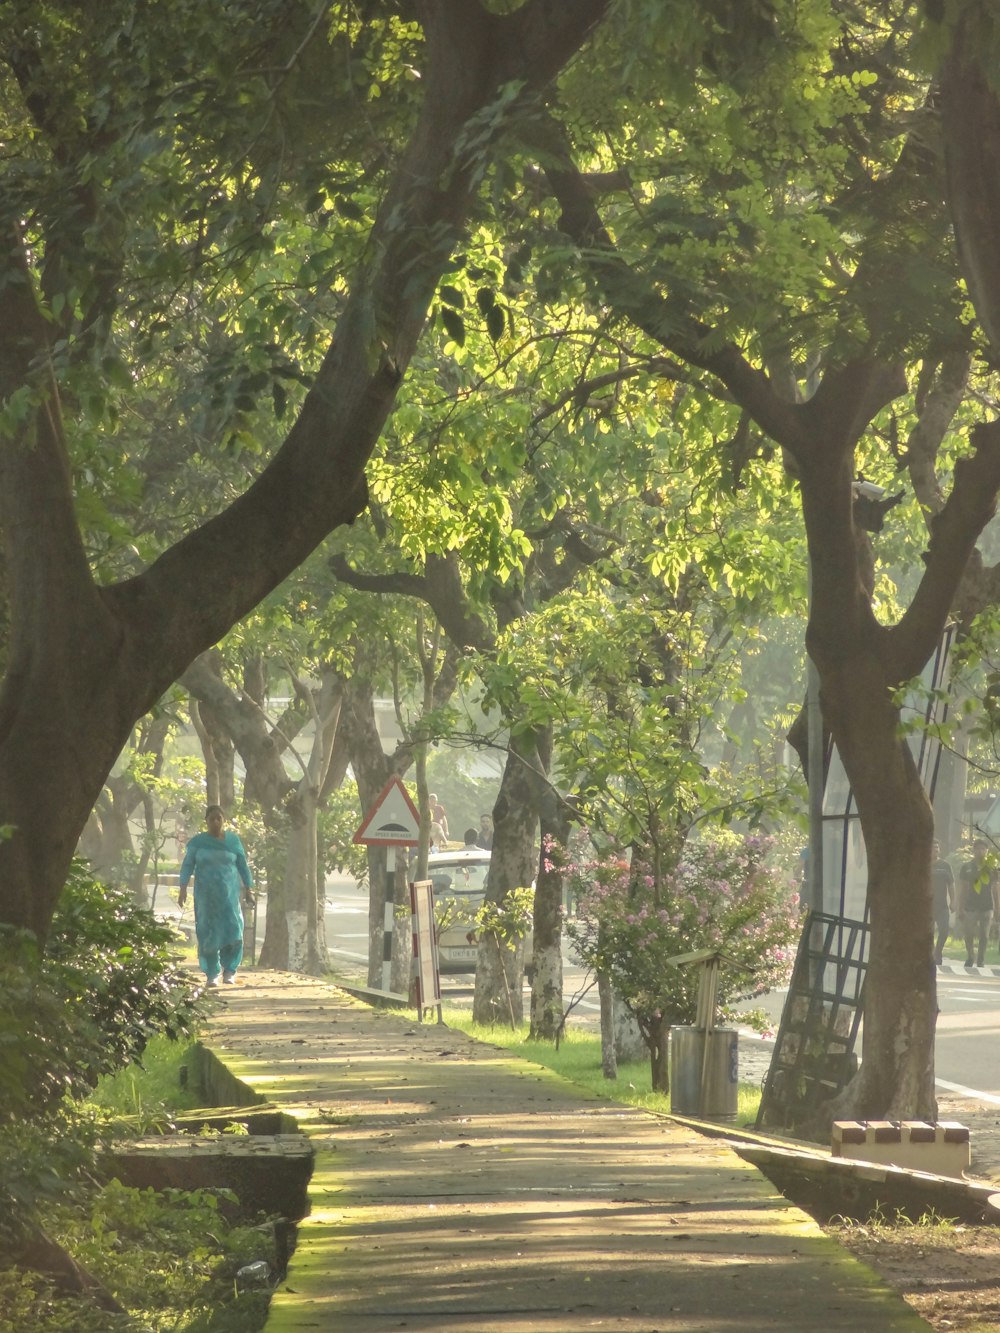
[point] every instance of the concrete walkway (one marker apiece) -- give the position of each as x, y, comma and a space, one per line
458, 1189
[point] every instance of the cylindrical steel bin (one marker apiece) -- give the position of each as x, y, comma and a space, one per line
703, 1088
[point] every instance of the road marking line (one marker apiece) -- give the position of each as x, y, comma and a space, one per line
963, 1091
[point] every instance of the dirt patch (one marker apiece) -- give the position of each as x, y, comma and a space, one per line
984, 1130
949, 1274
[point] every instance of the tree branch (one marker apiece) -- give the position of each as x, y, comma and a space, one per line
482, 69
936, 410
249, 728
954, 533
397, 581
440, 586
664, 319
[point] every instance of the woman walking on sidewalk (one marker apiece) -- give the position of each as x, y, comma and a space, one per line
218, 863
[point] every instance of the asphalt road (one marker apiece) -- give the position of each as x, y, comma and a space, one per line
967, 1054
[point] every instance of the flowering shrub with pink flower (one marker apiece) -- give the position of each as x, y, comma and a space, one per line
721, 895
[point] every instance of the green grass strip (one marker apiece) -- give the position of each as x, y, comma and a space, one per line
578, 1059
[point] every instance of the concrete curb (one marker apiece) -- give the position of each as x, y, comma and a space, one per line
954, 969
828, 1187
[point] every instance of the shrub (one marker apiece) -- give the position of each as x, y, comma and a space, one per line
115, 966
86, 1007
721, 896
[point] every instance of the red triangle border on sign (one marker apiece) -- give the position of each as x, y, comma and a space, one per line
394, 784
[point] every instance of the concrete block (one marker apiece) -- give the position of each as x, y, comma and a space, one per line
941, 1149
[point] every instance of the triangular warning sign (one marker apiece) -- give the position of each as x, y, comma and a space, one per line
393, 820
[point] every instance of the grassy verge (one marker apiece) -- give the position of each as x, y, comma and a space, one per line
578, 1059
159, 1085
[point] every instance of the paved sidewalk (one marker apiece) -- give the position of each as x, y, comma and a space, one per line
460, 1190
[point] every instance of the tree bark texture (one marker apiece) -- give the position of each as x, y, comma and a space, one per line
609, 1046
85, 661
630, 1045
657, 1036
304, 905
498, 996
547, 919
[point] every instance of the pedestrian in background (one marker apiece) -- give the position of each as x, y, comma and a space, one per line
485, 839
438, 815
976, 884
943, 886
222, 876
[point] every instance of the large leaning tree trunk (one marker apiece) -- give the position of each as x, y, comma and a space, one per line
85, 661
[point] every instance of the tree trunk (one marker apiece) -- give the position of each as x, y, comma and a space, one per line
546, 987
658, 1042
498, 995
275, 947
547, 919
609, 1050
150, 841
259, 742
630, 1045
305, 928
107, 843
304, 910
220, 754
859, 675
896, 1078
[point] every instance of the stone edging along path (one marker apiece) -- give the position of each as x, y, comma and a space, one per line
457, 1189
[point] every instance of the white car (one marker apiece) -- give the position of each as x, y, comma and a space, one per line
459, 880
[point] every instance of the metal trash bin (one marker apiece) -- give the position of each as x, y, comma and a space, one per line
700, 1085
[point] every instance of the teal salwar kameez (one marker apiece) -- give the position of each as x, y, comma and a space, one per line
221, 873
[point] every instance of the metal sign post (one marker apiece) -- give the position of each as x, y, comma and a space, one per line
388, 916
391, 822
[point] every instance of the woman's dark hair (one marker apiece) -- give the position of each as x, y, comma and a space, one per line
210, 808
